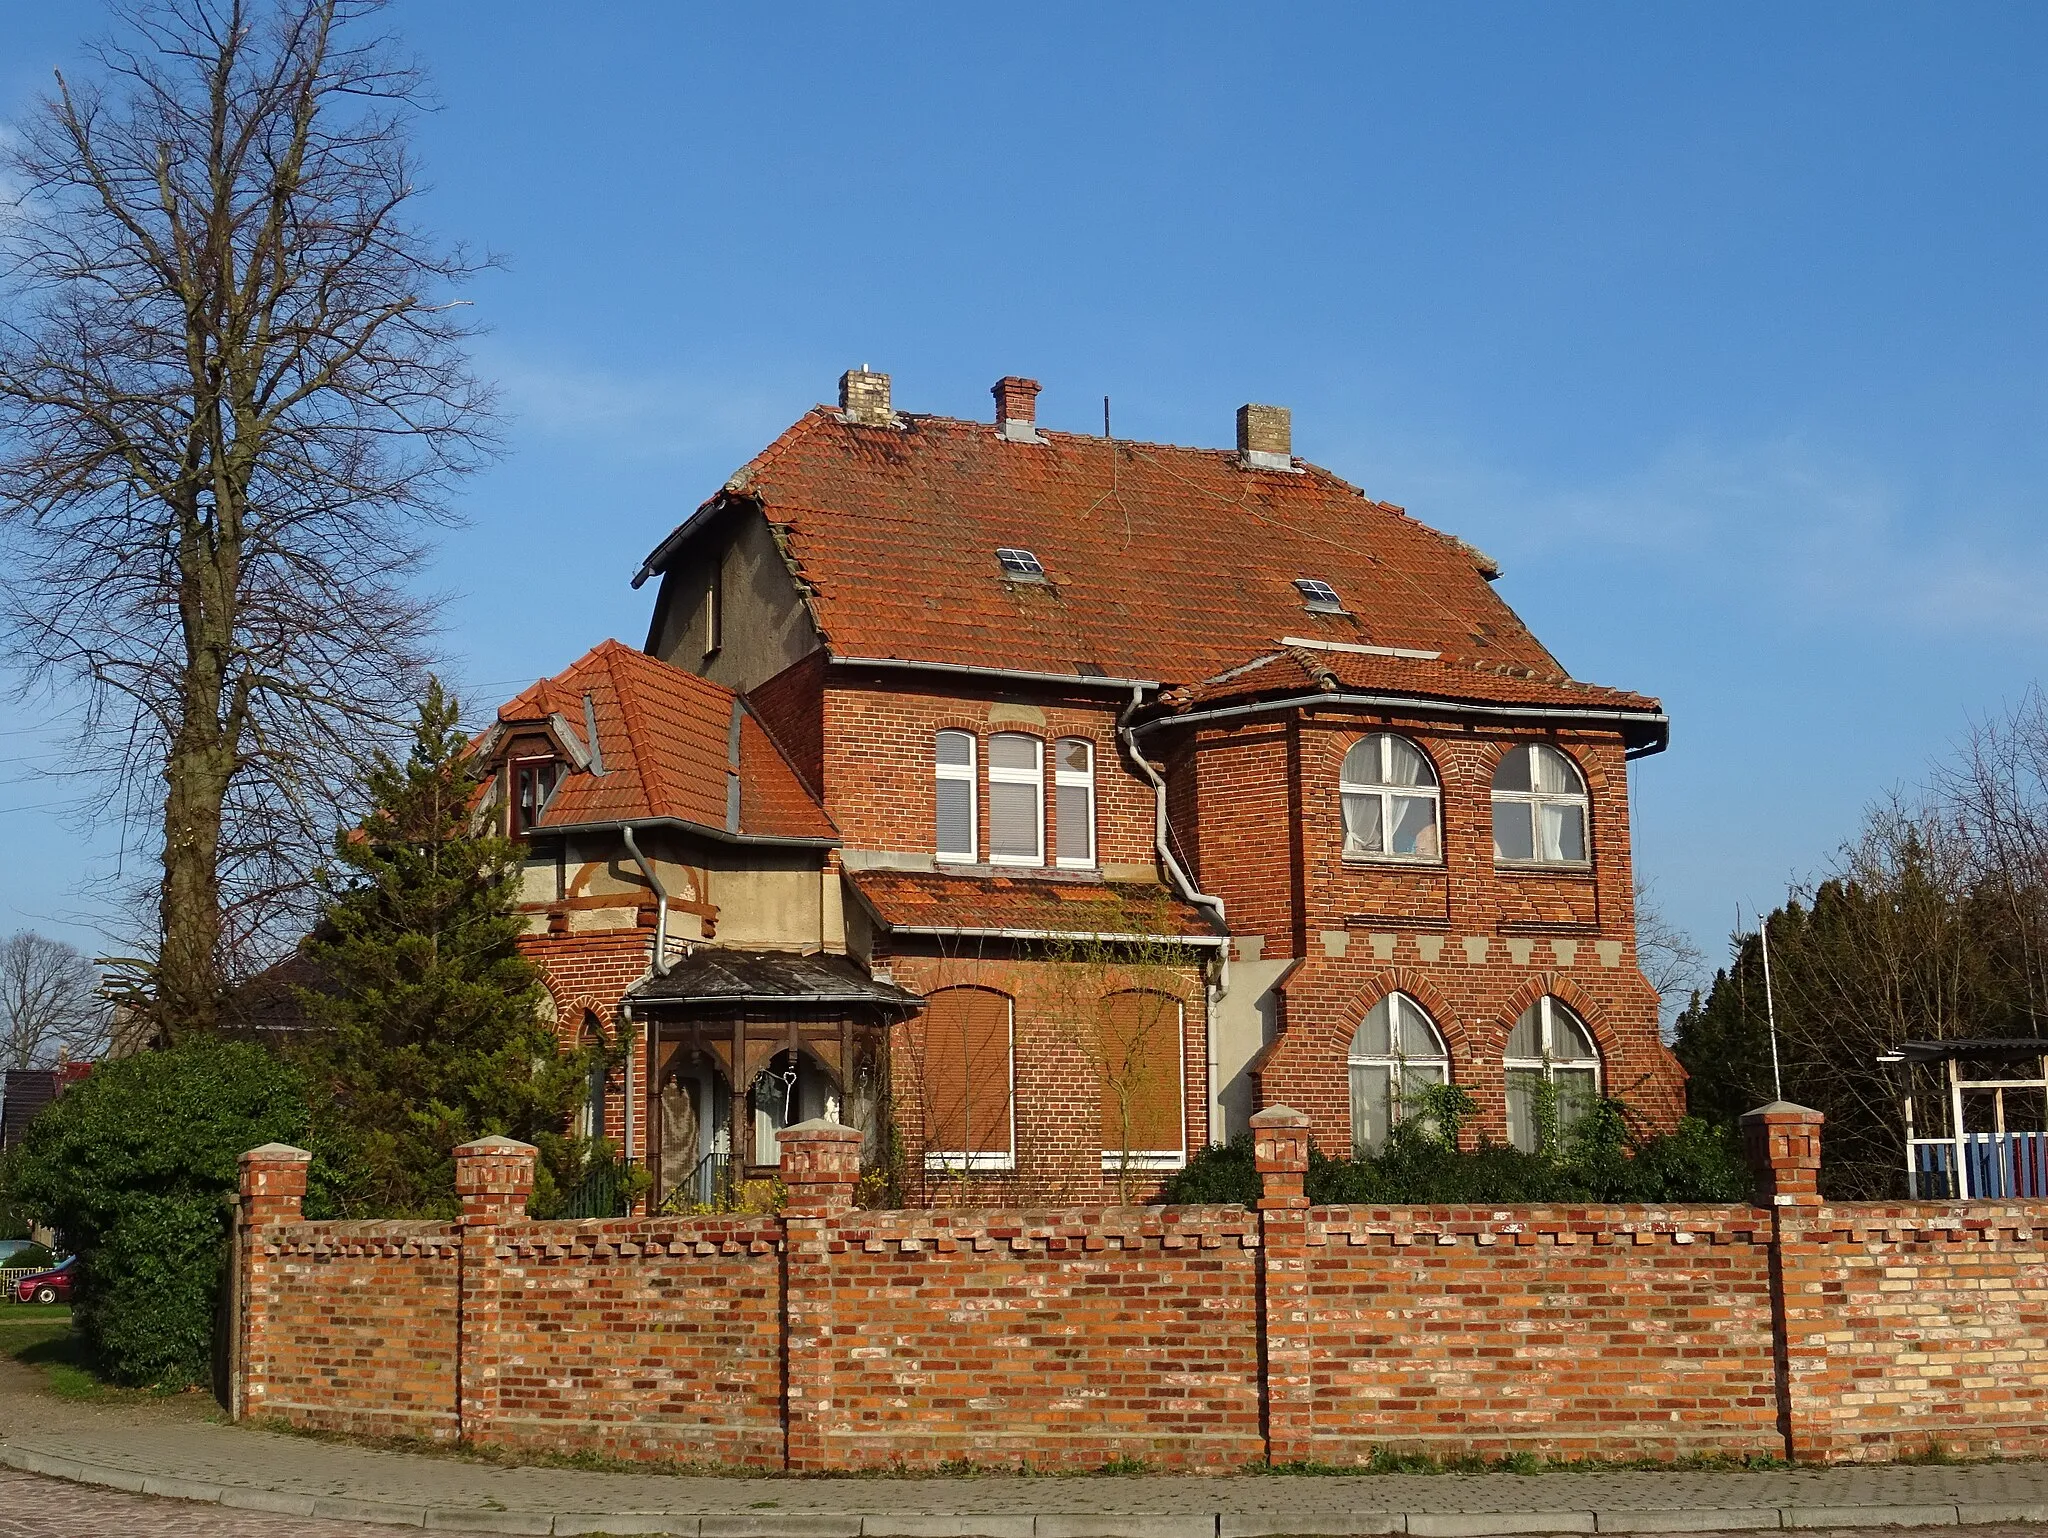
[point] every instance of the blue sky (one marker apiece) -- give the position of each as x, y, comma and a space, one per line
1722, 327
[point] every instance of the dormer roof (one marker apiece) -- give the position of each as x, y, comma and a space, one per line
668, 747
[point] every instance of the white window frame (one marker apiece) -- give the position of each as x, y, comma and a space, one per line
1549, 1063
1067, 779
1395, 1060
962, 772
1536, 800
1385, 790
960, 1161
1162, 1158
1033, 777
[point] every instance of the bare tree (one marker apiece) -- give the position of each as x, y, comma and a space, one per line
233, 393
1669, 957
49, 1002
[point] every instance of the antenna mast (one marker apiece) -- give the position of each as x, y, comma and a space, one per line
1763, 929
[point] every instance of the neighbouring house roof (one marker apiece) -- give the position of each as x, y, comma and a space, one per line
672, 747
710, 976
25, 1091
1160, 562
926, 902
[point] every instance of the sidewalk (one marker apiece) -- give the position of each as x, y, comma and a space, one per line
157, 1450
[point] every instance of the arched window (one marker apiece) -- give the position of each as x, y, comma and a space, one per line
966, 1069
1016, 799
1395, 1053
590, 1115
953, 761
1139, 1061
1390, 800
1539, 808
1551, 1060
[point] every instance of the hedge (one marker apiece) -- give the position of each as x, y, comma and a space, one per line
137, 1167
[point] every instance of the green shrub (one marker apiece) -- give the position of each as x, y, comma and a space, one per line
1597, 1160
137, 1168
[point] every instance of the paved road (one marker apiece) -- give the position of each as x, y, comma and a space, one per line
33, 1507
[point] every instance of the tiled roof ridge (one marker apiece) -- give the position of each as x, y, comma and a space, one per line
630, 718
738, 482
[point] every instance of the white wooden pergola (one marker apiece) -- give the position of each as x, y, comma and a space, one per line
1976, 1117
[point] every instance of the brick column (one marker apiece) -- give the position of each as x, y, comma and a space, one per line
273, 1191
820, 1164
1280, 1147
1782, 1142
493, 1177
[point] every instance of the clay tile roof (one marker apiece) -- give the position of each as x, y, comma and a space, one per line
666, 740
1161, 562
1298, 669
915, 900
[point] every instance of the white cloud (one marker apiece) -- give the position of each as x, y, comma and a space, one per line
1788, 521
660, 415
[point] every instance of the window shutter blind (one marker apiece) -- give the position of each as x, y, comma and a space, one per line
967, 1071
1013, 820
1141, 1073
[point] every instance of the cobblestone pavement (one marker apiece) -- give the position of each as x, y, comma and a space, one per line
32, 1507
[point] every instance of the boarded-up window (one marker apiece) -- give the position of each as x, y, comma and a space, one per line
967, 1073
1140, 1039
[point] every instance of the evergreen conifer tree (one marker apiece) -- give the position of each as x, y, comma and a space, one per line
426, 1030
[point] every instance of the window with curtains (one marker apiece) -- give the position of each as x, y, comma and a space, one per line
1539, 808
1074, 792
1553, 1073
966, 1073
1016, 799
533, 781
1139, 1062
953, 757
1394, 1053
1391, 801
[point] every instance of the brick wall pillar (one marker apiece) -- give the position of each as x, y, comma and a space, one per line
1782, 1142
273, 1192
1280, 1147
820, 1165
493, 1177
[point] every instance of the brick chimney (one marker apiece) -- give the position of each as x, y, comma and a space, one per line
1017, 409
864, 397
1265, 437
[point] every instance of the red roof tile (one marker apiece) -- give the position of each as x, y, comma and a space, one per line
665, 739
1296, 669
1044, 904
1161, 562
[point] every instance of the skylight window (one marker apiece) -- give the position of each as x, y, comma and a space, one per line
1020, 565
1320, 597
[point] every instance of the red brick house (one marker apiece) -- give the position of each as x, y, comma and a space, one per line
1142, 785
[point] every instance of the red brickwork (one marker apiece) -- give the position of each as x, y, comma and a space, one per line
1194, 1338
653, 1339
1057, 1073
1612, 1332
878, 757
1474, 942
1060, 1338
1917, 1327
791, 706
361, 1328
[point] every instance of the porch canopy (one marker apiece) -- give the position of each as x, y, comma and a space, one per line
743, 1043
1976, 1116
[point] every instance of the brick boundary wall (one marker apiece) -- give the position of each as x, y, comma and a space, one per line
1199, 1338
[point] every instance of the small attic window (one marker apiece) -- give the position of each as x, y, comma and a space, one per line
1318, 595
1020, 565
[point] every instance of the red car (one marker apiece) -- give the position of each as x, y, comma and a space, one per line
51, 1286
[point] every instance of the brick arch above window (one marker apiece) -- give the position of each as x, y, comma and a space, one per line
1558, 986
